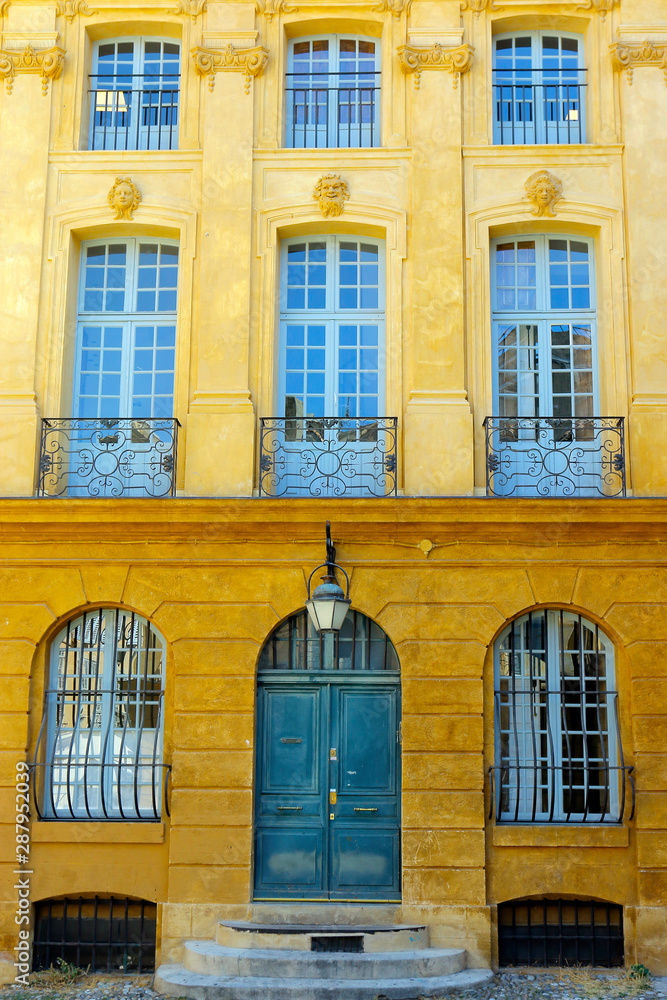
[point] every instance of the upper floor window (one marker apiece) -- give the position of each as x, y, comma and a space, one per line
134, 94
333, 93
545, 438
330, 437
558, 749
121, 438
539, 87
99, 754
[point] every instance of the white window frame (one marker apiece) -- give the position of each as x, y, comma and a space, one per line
542, 131
145, 137
332, 317
333, 127
127, 319
528, 698
543, 316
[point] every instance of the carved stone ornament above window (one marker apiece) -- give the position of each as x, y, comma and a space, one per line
544, 190
269, 8
627, 57
395, 6
415, 59
478, 6
192, 7
601, 6
331, 193
47, 62
251, 62
4, 7
70, 9
124, 197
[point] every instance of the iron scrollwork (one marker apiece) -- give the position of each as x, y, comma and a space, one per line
328, 456
108, 457
555, 456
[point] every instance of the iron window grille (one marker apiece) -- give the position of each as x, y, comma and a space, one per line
134, 112
559, 757
99, 751
548, 932
105, 934
340, 110
361, 645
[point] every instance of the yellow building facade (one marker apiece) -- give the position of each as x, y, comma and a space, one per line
392, 264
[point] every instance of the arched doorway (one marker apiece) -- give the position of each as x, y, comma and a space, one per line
327, 799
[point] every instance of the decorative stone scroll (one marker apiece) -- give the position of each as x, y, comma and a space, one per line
124, 198
192, 7
331, 193
250, 62
627, 56
70, 9
601, 6
478, 6
395, 6
47, 62
415, 59
544, 190
269, 8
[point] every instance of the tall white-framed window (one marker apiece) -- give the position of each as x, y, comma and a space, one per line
134, 94
558, 754
330, 436
99, 753
332, 92
121, 437
332, 352
546, 437
539, 88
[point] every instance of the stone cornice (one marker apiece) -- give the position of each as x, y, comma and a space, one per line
249, 61
627, 56
48, 63
415, 59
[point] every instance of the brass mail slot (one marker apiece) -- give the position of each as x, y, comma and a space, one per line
365, 809
290, 739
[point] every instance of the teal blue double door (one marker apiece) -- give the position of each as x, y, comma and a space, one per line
327, 813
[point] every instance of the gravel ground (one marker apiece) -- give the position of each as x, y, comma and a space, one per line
574, 984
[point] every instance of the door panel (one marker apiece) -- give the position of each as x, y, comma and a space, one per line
328, 807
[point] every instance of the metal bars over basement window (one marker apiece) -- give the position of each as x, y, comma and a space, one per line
99, 752
547, 932
559, 757
106, 934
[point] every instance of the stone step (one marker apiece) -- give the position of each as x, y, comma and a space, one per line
326, 912
296, 937
211, 959
177, 981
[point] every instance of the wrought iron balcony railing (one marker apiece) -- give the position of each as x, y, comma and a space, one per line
335, 110
555, 456
539, 106
134, 111
328, 456
108, 457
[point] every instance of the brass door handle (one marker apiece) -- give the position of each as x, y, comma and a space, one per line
365, 809
290, 808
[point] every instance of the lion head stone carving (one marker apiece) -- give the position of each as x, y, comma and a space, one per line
124, 197
331, 193
544, 190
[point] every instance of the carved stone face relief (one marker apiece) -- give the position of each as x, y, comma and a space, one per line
124, 197
544, 190
331, 193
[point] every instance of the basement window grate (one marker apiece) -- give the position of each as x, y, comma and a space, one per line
351, 943
546, 932
105, 934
